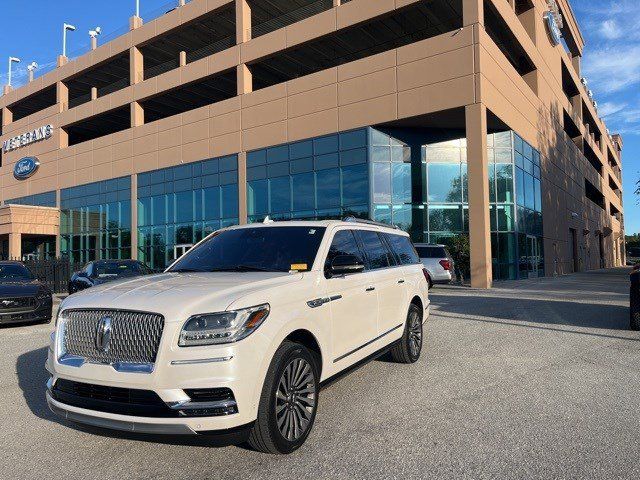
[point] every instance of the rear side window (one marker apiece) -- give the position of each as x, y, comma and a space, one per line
403, 249
432, 252
344, 243
376, 251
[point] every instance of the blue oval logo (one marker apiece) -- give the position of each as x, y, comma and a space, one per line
26, 167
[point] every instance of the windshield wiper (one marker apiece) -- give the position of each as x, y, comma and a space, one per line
187, 270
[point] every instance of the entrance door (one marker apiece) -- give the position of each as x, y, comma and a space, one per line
180, 250
533, 245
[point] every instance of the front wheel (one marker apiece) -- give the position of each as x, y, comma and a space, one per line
288, 402
408, 348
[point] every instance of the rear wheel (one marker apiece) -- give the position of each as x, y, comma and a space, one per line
408, 349
288, 402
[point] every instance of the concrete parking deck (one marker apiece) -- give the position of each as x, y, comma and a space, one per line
534, 379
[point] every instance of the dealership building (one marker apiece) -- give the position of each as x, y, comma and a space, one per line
443, 117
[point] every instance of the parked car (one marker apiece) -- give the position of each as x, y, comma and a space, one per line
22, 297
237, 335
103, 271
635, 299
438, 262
633, 256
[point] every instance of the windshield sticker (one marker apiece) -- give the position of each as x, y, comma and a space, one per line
298, 267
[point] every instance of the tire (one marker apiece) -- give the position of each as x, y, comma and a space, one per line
278, 414
429, 282
409, 347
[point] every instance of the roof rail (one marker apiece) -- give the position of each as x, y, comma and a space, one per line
369, 222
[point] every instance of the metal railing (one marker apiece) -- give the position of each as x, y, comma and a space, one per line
55, 273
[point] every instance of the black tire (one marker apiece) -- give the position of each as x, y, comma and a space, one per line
266, 435
429, 282
409, 347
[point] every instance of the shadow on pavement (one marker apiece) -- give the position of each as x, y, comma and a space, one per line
546, 313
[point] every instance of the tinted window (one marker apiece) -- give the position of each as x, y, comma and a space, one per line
344, 243
273, 249
14, 271
117, 269
376, 251
403, 249
634, 252
432, 252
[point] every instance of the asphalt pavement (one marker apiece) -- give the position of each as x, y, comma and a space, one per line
533, 379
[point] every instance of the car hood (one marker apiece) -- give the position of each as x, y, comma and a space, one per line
175, 295
19, 288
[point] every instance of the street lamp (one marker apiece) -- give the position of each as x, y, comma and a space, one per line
64, 37
31, 67
137, 8
11, 61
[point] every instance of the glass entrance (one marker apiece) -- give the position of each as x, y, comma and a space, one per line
534, 255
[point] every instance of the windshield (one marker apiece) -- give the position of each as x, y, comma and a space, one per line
432, 252
116, 269
269, 249
15, 272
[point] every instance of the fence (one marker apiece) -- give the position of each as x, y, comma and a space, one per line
53, 272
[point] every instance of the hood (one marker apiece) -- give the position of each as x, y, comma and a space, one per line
19, 288
175, 295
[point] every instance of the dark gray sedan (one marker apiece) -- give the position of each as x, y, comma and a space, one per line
23, 299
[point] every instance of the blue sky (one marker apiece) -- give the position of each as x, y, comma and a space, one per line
611, 61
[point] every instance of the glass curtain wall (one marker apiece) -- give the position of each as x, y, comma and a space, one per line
178, 206
321, 178
95, 220
46, 199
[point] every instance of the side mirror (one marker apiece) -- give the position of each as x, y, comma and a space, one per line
83, 274
346, 264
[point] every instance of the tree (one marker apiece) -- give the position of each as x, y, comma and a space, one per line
460, 251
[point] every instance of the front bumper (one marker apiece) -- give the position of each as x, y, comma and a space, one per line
41, 314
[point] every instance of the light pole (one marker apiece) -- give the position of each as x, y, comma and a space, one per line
12, 60
32, 66
137, 8
64, 37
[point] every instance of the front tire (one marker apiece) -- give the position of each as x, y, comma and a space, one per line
288, 402
409, 347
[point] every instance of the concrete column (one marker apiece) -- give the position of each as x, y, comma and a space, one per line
472, 12
135, 22
94, 93
62, 60
137, 114
134, 216
337, 3
64, 138
7, 116
479, 219
242, 188
533, 80
528, 20
15, 246
576, 104
6, 89
243, 21
136, 61
576, 61
245, 80
62, 96
94, 43
182, 60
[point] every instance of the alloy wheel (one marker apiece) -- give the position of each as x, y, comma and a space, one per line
415, 334
295, 399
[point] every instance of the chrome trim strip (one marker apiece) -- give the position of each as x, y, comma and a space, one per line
189, 405
201, 361
341, 357
123, 425
318, 302
77, 362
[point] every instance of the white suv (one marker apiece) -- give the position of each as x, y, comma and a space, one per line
236, 336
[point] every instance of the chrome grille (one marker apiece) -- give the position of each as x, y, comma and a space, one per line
135, 336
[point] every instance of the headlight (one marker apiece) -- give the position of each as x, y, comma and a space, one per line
222, 327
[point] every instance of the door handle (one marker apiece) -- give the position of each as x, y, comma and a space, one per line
401, 280
371, 289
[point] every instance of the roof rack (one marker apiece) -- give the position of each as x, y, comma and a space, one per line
369, 222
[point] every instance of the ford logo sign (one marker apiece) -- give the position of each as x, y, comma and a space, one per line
26, 167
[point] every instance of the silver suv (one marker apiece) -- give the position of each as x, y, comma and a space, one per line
438, 262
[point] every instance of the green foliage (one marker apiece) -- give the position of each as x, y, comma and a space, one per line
460, 251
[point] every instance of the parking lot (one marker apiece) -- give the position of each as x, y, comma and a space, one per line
534, 379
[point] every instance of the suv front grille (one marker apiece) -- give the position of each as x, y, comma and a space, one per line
17, 304
135, 336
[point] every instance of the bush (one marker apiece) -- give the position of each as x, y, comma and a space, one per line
460, 251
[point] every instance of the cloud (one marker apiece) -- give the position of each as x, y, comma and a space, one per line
610, 108
610, 30
613, 68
